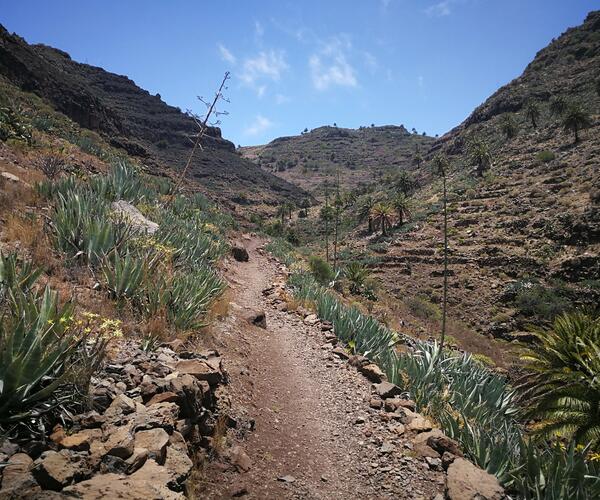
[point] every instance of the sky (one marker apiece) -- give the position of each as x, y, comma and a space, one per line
305, 63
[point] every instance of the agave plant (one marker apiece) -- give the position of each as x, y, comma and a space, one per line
190, 296
555, 473
124, 275
82, 226
15, 276
35, 351
122, 182
193, 244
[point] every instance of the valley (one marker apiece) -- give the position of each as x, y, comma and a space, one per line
370, 312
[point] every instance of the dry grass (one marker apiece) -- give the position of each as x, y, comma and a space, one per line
157, 327
220, 307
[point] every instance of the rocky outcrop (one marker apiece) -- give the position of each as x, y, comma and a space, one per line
133, 120
134, 217
150, 410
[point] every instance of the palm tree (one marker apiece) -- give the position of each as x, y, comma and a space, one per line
282, 211
418, 157
289, 207
576, 118
365, 211
441, 165
562, 388
404, 182
305, 205
402, 207
509, 126
382, 215
558, 106
479, 154
532, 112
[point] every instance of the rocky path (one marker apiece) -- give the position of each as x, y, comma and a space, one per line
305, 425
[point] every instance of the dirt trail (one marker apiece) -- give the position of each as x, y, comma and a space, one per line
314, 435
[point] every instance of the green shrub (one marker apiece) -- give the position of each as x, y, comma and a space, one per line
484, 360
321, 270
545, 156
539, 301
12, 126
422, 308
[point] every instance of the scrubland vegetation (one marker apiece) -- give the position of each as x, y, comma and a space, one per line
540, 436
163, 281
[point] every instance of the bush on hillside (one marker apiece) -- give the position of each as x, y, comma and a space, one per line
321, 270
545, 156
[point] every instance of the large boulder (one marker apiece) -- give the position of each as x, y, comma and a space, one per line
132, 215
466, 481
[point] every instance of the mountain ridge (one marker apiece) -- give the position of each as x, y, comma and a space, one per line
132, 119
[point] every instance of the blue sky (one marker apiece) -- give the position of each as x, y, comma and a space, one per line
296, 64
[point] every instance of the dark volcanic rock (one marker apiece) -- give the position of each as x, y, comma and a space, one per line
132, 119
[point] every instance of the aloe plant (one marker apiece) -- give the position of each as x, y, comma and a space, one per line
190, 296
15, 275
124, 275
82, 226
123, 182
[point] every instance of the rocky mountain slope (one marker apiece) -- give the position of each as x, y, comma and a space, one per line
525, 238
131, 119
361, 155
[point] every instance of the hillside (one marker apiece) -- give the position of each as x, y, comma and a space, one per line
132, 120
361, 155
524, 238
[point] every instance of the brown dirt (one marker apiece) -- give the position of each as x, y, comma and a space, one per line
305, 403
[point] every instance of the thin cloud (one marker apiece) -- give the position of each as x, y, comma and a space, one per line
226, 54
266, 65
258, 126
330, 67
281, 99
370, 61
259, 29
439, 9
